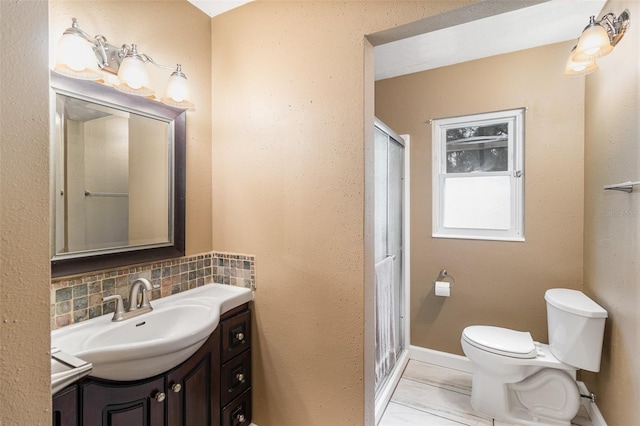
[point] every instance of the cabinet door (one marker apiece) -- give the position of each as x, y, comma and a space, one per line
116, 404
65, 407
193, 388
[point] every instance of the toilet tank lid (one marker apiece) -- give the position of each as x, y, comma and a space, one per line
575, 302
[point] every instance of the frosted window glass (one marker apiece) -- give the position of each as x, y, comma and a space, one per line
482, 202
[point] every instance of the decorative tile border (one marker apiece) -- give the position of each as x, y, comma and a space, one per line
79, 298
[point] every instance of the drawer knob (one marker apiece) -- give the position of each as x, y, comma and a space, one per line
240, 418
159, 396
176, 387
240, 377
239, 336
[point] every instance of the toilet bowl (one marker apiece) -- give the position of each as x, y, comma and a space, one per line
508, 378
516, 379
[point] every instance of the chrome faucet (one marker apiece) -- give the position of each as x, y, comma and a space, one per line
133, 295
141, 285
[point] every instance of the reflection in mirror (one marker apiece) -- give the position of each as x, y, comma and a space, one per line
117, 178
117, 170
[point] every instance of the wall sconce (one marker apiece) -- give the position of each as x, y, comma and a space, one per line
579, 68
597, 40
92, 58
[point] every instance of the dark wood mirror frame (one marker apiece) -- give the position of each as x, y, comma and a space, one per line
130, 256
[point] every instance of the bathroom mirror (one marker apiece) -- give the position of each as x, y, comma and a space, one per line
117, 178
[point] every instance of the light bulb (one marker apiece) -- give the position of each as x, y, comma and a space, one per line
177, 91
593, 43
133, 75
573, 68
75, 56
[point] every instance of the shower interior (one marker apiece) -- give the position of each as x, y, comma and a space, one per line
390, 260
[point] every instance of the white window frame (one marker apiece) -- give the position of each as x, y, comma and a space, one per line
515, 172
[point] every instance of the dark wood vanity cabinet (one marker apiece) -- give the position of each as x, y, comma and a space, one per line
236, 369
211, 388
65, 407
106, 403
193, 388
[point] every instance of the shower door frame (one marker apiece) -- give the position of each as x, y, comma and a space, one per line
384, 396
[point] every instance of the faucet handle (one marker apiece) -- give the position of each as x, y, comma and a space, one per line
118, 315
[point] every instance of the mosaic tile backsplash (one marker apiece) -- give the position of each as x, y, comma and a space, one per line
79, 298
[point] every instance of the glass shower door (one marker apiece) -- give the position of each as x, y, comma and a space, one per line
389, 211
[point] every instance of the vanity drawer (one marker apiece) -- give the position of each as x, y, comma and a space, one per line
238, 413
236, 377
236, 335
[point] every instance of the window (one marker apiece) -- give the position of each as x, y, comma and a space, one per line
478, 181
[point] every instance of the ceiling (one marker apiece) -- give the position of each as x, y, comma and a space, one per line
216, 7
543, 22
537, 25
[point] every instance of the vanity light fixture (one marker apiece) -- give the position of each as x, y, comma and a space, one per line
598, 39
92, 58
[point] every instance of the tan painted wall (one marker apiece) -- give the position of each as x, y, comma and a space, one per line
288, 185
27, 29
497, 283
169, 32
611, 237
25, 394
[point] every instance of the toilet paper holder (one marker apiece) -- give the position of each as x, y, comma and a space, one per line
444, 275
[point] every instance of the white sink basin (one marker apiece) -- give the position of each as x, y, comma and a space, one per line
154, 342
66, 369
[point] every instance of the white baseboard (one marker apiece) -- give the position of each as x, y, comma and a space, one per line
442, 359
597, 419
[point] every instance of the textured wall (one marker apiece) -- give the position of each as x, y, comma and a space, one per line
289, 123
26, 39
612, 230
25, 394
498, 283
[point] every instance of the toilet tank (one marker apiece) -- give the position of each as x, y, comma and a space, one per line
576, 328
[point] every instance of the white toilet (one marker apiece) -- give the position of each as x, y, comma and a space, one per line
524, 382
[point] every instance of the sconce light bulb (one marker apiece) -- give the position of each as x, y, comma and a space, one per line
134, 77
593, 43
177, 88
177, 91
573, 68
75, 57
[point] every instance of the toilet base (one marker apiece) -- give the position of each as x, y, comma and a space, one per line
548, 397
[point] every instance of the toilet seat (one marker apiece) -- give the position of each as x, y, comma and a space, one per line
501, 341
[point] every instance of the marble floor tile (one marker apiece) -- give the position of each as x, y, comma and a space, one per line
400, 415
438, 401
431, 395
446, 378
